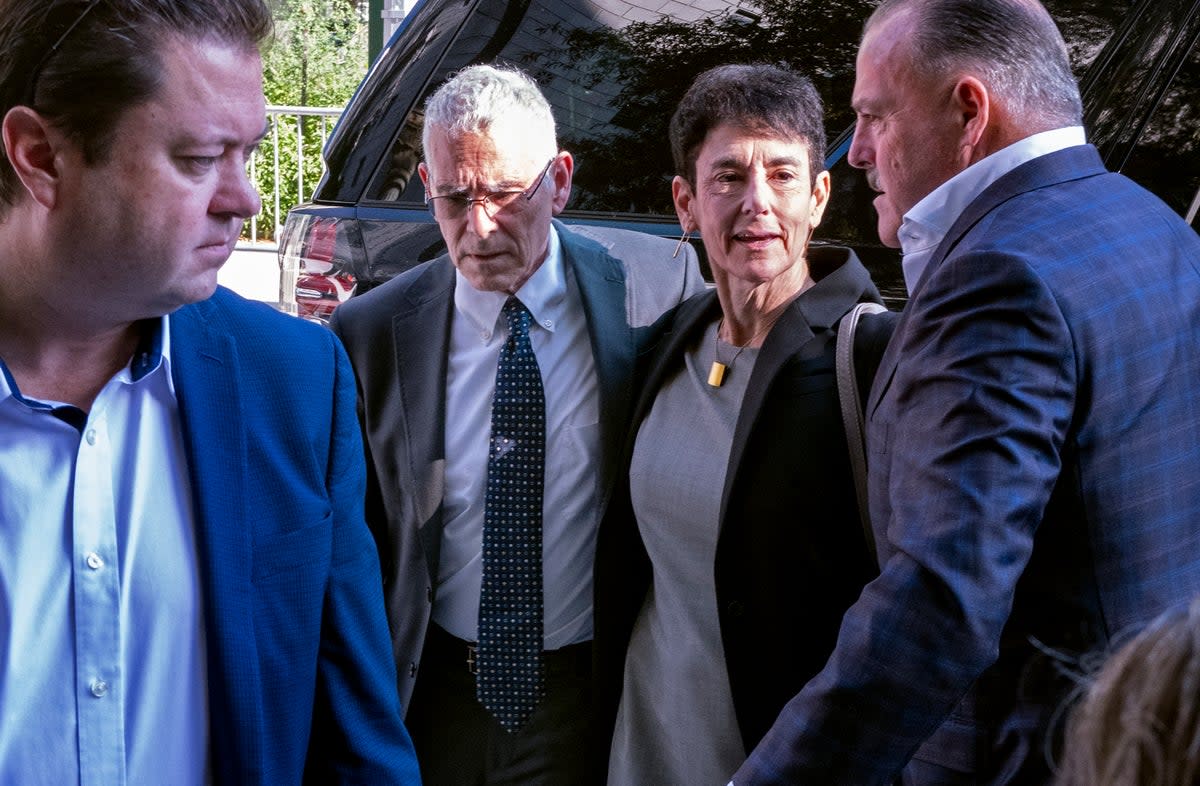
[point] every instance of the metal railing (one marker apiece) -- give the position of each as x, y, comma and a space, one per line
286, 164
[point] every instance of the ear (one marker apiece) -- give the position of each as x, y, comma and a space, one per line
423, 171
32, 147
561, 171
681, 195
971, 104
819, 199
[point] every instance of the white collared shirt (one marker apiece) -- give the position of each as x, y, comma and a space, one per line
102, 667
927, 222
562, 346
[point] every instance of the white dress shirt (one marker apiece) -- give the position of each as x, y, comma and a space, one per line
570, 515
102, 661
927, 222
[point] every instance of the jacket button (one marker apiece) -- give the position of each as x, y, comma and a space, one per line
429, 594
412, 669
735, 608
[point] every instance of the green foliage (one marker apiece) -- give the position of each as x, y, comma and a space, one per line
317, 58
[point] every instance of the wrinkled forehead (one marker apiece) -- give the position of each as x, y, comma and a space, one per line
499, 156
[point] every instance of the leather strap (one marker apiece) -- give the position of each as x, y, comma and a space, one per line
852, 411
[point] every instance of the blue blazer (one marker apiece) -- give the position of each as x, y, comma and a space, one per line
300, 678
1034, 448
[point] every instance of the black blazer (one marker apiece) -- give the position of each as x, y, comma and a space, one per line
791, 555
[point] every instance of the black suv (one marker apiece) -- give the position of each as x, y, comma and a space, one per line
614, 69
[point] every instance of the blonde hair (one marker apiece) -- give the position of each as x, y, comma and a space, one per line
1139, 721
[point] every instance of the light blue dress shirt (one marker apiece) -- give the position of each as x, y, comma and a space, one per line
571, 496
102, 663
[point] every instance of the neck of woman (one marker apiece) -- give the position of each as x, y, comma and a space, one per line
748, 312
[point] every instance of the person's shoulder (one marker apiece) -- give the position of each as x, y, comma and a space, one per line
647, 262
276, 350
415, 286
227, 312
621, 243
644, 255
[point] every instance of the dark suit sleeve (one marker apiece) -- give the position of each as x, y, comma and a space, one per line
358, 735
374, 510
969, 437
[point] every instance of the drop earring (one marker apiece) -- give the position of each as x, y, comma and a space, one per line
687, 231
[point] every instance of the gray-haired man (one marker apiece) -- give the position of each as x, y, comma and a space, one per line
523, 322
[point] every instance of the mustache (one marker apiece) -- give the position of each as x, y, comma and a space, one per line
873, 180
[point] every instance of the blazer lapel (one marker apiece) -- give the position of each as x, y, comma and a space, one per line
205, 366
1071, 163
420, 342
692, 316
601, 284
785, 337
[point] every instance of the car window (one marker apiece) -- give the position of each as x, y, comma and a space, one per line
383, 119
1166, 154
614, 70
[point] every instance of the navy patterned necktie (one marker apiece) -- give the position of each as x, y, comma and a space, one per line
510, 681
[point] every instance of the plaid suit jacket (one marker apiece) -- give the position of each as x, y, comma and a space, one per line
1034, 449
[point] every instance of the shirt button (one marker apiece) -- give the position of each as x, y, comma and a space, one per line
99, 688
549, 323
90, 436
94, 561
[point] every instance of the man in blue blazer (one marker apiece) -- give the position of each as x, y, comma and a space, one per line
428, 349
1034, 431
190, 592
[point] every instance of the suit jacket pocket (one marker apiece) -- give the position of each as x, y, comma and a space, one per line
306, 549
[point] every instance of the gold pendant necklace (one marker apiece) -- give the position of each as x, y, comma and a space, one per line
716, 372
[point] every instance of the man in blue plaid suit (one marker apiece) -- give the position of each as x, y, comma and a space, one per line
1034, 428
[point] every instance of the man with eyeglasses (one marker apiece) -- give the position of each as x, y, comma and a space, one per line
495, 384
189, 593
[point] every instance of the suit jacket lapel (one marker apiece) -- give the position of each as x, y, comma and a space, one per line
420, 341
1060, 166
691, 317
205, 369
785, 337
601, 284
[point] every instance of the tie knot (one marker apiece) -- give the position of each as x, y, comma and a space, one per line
518, 317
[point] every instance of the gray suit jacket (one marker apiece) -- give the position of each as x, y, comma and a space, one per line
398, 337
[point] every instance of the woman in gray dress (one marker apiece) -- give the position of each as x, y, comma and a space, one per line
726, 562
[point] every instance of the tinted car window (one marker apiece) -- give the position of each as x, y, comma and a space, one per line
615, 69
1162, 152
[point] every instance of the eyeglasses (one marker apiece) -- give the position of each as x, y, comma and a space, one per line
456, 205
36, 72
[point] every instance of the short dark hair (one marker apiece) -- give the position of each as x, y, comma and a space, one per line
1012, 45
758, 97
108, 59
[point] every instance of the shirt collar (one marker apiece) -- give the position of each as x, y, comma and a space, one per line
544, 294
153, 351
927, 222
